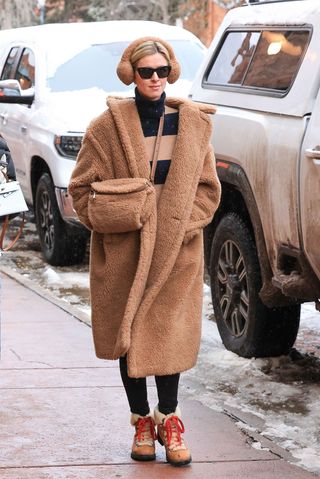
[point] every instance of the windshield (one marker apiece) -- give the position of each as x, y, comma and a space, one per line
95, 66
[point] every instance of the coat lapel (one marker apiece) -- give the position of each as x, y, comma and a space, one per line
176, 201
131, 137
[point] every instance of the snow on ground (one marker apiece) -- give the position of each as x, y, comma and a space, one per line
282, 392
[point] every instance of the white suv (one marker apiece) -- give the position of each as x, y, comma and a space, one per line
262, 72
53, 80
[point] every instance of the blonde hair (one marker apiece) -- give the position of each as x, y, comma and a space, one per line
148, 48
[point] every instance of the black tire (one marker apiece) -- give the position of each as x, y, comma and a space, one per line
246, 326
61, 244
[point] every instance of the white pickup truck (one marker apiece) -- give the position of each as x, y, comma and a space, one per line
263, 248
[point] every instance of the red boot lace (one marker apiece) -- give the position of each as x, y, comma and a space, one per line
174, 428
145, 426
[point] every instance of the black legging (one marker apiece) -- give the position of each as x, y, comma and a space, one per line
136, 390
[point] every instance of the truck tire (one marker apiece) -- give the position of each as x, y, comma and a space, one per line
246, 326
61, 244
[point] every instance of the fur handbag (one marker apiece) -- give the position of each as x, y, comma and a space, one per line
120, 205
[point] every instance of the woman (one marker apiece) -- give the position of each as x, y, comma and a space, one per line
5, 157
145, 185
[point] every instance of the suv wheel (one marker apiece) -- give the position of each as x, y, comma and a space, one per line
247, 327
61, 244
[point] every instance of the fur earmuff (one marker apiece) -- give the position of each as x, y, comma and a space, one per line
125, 71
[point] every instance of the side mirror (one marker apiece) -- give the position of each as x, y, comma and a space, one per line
10, 92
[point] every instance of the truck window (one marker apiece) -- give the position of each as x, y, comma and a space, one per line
266, 59
95, 66
8, 66
26, 69
233, 58
276, 59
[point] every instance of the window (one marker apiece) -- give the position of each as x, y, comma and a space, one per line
95, 66
26, 70
267, 59
233, 59
7, 69
276, 59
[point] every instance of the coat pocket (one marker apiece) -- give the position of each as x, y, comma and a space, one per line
120, 205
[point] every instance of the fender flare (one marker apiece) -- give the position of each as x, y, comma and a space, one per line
232, 174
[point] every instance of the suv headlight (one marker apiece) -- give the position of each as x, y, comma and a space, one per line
68, 145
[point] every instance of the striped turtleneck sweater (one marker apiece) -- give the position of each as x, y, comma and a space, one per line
150, 113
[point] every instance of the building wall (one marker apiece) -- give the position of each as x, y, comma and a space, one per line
217, 15
196, 18
202, 18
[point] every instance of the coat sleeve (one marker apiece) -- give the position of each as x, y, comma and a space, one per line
84, 173
207, 197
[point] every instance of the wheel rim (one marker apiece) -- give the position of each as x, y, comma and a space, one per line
46, 221
233, 288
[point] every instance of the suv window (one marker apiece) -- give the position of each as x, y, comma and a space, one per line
7, 69
95, 66
26, 69
267, 59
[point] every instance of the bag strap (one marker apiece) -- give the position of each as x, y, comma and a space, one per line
3, 232
156, 150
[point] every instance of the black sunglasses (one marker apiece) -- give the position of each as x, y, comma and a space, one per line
146, 72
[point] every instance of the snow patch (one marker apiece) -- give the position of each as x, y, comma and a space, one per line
281, 392
50, 276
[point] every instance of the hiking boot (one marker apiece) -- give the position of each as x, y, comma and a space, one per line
170, 428
143, 447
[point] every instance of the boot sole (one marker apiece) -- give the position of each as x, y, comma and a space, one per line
179, 464
140, 457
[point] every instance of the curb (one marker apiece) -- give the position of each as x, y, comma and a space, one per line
45, 294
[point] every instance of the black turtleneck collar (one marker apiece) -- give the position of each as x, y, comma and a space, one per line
149, 108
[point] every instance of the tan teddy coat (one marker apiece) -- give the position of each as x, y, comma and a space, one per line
146, 275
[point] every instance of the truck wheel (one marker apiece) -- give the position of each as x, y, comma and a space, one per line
246, 326
61, 244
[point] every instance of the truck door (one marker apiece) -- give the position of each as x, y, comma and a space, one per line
310, 190
14, 118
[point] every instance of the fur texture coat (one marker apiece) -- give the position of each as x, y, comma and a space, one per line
146, 261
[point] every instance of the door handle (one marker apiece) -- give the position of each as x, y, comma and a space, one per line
314, 154
4, 117
23, 129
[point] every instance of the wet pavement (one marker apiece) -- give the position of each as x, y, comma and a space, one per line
64, 413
